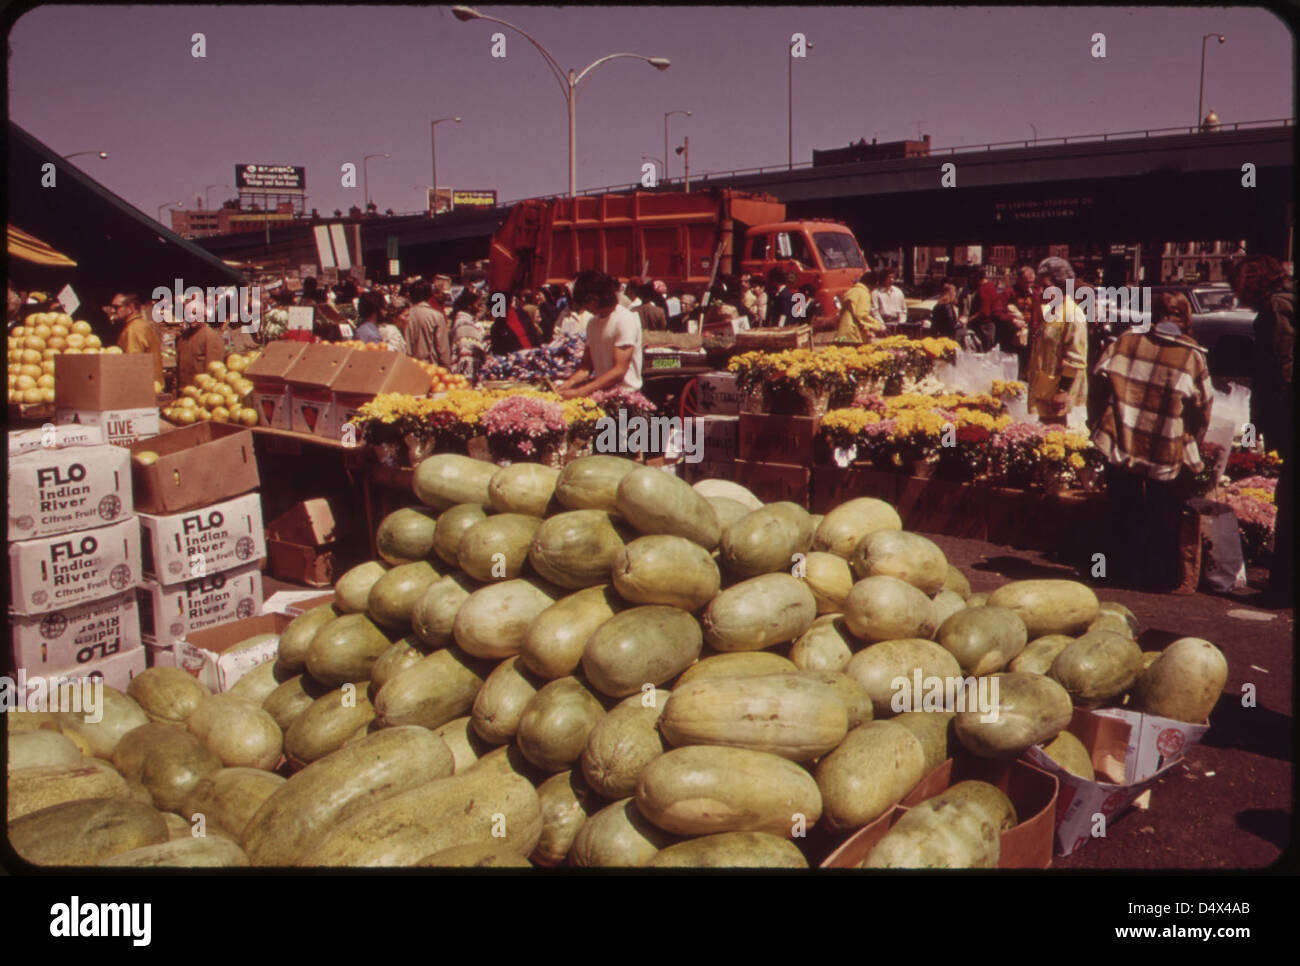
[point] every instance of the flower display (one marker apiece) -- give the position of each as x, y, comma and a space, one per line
556, 361
1253, 501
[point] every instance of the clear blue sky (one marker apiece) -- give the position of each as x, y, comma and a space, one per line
318, 86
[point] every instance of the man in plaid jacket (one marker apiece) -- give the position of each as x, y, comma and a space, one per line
1153, 411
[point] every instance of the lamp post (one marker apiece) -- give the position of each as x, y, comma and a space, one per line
1200, 101
170, 204
667, 115
790, 58
568, 81
365, 175
433, 154
208, 201
685, 152
1034, 128
103, 155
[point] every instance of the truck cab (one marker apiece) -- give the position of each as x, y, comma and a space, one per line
821, 253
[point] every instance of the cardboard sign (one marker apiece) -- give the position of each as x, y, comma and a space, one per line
718, 394
65, 490
169, 613
122, 427
76, 636
301, 318
68, 299
58, 572
196, 543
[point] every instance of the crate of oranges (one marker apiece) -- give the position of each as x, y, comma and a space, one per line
366, 346
220, 395
36, 344
443, 380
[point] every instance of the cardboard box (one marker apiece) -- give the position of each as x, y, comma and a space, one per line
168, 613
55, 573
777, 439
309, 523
197, 465
121, 426
51, 437
199, 542
302, 606
1033, 792
204, 653
775, 482
160, 655
367, 374
1130, 752
104, 383
54, 491
270, 391
721, 438
76, 636
311, 390
116, 671
718, 394
301, 564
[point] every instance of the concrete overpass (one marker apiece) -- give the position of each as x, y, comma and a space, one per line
1143, 188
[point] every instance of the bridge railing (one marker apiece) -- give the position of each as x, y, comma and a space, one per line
958, 149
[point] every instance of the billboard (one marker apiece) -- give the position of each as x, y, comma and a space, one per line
449, 199
270, 178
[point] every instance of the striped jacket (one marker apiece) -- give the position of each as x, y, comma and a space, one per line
1157, 406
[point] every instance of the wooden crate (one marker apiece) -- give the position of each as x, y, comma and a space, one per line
775, 340
777, 439
833, 485
776, 482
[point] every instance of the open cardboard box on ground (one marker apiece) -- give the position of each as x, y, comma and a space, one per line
270, 391
302, 606
300, 543
1130, 752
1033, 793
197, 466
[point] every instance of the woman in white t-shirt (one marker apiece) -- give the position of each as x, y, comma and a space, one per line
613, 355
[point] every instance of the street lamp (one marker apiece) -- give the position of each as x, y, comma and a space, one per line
170, 204
1200, 101
365, 174
790, 52
103, 155
666, 117
1034, 128
433, 152
208, 201
568, 82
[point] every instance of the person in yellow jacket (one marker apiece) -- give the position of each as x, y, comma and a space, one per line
857, 324
1058, 359
138, 334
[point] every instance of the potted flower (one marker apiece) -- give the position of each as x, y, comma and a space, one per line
526, 428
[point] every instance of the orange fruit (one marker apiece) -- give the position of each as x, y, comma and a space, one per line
185, 416
76, 341
32, 396
80, 328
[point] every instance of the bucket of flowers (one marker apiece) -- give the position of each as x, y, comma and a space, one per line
384, 422
918, 437
583, 415
1253, 500
1016, 452
527, 429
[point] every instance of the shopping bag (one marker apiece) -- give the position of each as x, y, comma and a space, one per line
1230, 412
1223, 565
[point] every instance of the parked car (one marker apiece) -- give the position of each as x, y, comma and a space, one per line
1221, 325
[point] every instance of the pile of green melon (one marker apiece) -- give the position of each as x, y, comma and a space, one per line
599, 666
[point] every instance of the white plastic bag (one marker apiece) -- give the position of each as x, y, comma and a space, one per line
974, 372
1230, 412
1077, 419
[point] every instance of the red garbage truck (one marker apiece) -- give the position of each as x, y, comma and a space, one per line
684, 240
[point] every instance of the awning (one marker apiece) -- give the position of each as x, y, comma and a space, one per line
31, 249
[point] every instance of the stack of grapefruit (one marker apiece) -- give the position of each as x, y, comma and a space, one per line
220, 395
34, 346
